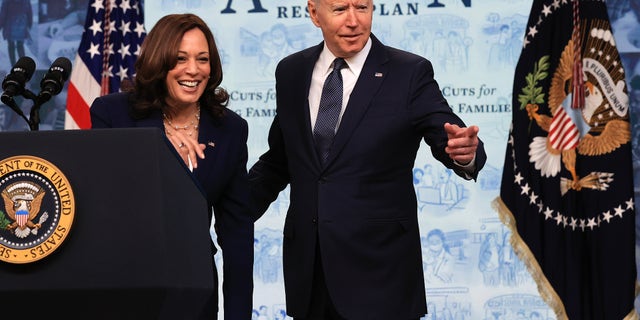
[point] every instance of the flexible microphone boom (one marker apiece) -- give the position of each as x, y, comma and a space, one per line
14, 83
54, 79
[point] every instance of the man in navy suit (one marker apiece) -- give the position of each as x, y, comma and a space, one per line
351, 238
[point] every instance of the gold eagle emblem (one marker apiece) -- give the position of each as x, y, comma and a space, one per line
22, 201
600, 126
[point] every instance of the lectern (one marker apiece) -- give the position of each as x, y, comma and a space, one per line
139, 246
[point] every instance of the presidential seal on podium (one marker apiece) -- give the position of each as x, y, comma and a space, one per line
37, 208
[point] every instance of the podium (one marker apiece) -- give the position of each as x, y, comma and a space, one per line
139, 246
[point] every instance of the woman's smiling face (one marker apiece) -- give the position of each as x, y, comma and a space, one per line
187, 80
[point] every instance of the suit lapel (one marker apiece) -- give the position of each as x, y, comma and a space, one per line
311, 56
210, 136
368, 83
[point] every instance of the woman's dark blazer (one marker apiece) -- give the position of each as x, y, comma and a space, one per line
222, 176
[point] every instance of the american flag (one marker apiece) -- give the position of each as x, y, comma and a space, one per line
114, 31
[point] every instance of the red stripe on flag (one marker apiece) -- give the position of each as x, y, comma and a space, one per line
563, 134
77, 108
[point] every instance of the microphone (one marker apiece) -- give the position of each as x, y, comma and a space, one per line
54, 79
14, 83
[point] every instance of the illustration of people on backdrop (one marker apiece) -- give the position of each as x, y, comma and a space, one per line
508, 262
448, 188
438, 261
274, 45
428, 179
489, 260
500, 54
16, 19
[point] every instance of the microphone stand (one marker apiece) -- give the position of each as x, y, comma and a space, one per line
34, 115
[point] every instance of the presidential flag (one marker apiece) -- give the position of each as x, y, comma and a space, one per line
114, 31
567, 190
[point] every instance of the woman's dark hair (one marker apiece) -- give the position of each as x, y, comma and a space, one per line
159, 54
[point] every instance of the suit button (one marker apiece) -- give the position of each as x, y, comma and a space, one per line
322, 180
314, 220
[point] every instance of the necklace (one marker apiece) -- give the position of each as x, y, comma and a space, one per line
194, 123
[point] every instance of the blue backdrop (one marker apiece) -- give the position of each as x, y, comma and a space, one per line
470, 270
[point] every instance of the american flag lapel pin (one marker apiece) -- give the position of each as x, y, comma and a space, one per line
378, 74
211, 144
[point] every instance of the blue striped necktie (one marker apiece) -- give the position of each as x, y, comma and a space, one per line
329, 111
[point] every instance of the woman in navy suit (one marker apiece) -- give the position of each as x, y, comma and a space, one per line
176, 88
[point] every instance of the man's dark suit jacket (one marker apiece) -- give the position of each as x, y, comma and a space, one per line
222, 176
361, 206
